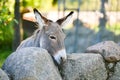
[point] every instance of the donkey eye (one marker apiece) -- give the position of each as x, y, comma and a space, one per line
52, 37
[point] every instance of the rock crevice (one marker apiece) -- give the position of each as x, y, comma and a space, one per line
110, 52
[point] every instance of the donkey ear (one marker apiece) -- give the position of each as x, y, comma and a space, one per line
39, 18
63, 21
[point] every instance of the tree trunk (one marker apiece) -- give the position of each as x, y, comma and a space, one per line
16, 40
102, 20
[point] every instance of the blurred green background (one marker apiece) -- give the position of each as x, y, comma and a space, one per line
7, 21
7, 17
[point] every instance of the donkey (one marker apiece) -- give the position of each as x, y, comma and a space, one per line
49, 36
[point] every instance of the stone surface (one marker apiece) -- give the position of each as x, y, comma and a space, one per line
116, 74
108, 49
3, 75
31, 64
84, 67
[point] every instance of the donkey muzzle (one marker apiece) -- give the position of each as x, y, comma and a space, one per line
60, 56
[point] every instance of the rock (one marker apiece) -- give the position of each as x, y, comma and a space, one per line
108, 49
116, 72
84, 67
31, 63
3, 75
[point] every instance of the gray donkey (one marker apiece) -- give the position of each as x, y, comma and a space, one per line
49, 36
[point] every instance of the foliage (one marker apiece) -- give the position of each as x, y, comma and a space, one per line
3, 55
54, 2
6, 25
44, 5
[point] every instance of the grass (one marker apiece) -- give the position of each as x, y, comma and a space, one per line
114, 28
4, 53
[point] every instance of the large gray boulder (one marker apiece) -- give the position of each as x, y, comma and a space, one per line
108, 49
3, 75
31, 64
84, 67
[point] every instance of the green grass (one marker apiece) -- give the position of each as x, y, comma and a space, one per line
4, 53
114, 28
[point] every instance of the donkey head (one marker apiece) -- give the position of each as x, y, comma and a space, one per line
51, 36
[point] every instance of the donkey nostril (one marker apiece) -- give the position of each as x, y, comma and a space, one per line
62, 59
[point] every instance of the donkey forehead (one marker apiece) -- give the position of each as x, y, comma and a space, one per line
54, 28
54, 25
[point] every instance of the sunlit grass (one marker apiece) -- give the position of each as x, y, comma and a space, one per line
114, 28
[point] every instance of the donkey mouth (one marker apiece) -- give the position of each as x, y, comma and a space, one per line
60, 57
